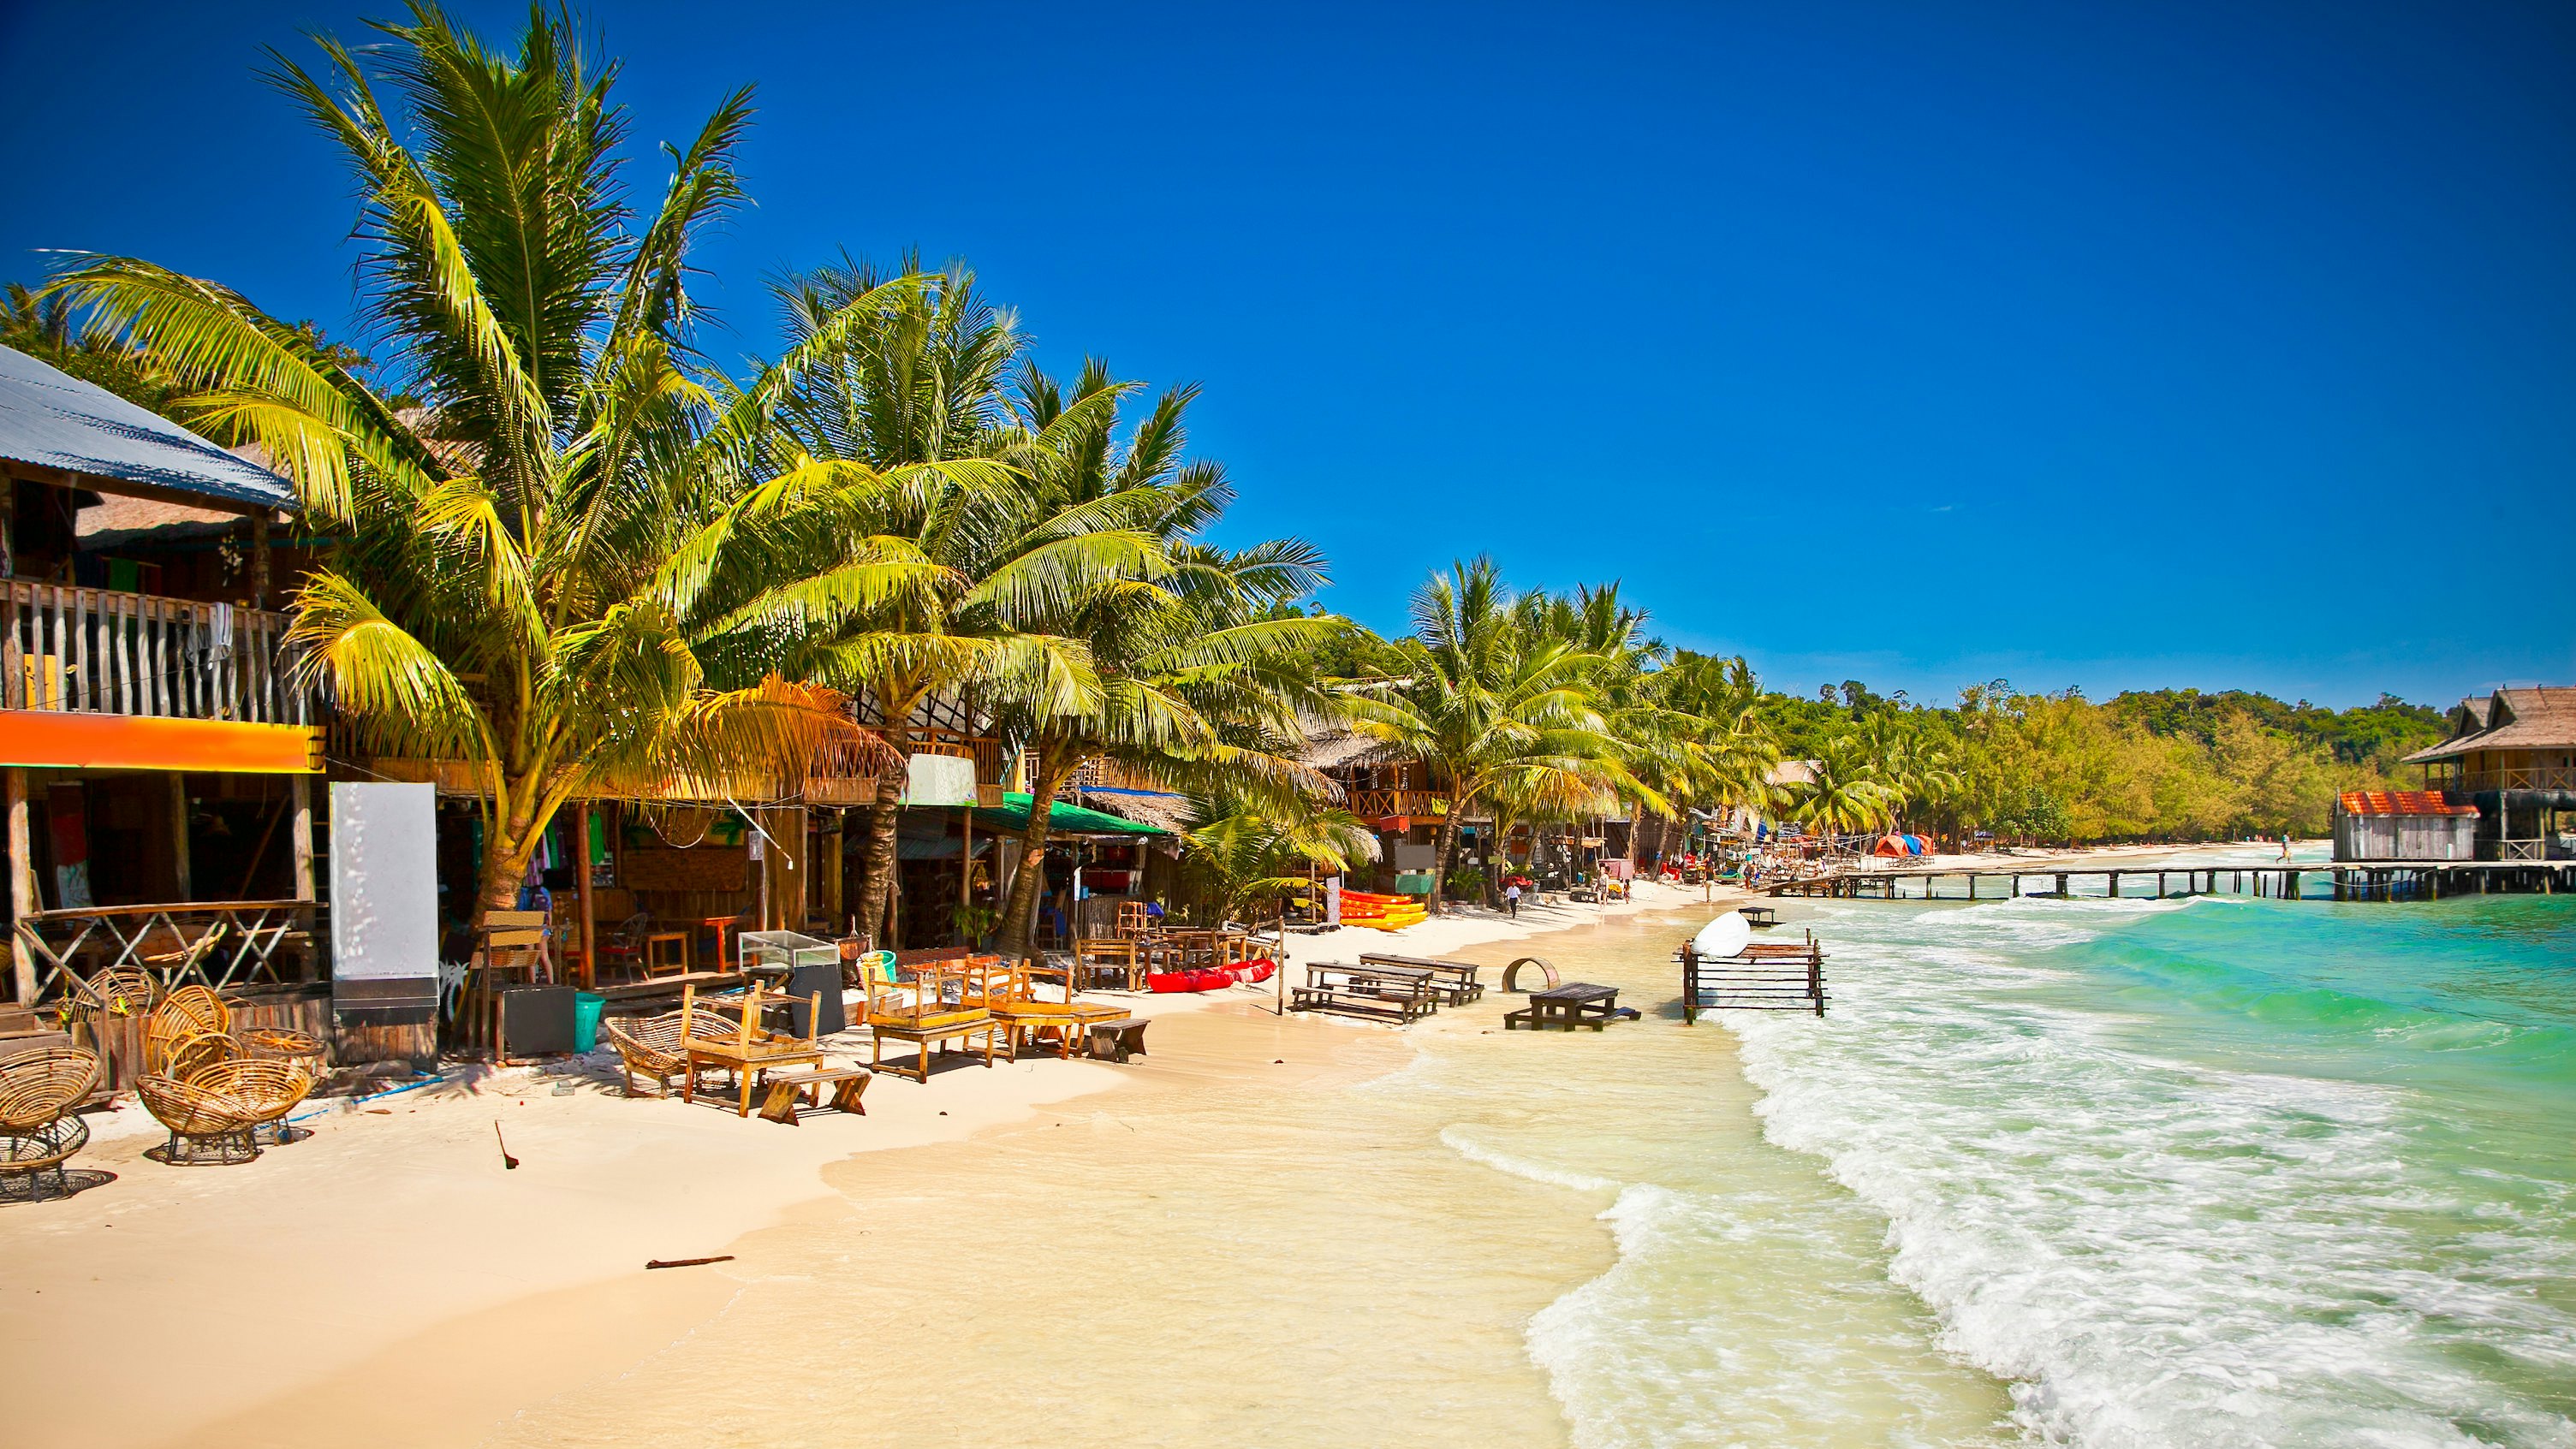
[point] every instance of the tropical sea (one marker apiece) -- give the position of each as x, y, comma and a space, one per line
2219, 1171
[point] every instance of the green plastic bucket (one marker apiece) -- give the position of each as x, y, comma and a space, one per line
586, 1008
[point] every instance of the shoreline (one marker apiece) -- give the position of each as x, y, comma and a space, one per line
393, 1242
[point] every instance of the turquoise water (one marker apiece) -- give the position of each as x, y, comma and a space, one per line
2213, 1172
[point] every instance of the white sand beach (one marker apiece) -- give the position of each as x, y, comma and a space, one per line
388, 1281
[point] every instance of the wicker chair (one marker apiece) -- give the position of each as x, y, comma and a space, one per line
650, 1046
193, 1053
117, 991
214, 1115
38, 1128
186, 1012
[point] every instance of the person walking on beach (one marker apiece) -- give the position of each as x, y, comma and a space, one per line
1512, 898
2285, 845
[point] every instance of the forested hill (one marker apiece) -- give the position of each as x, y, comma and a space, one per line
2152, 764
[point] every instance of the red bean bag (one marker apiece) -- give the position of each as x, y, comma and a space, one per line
1259, 970
1209, 981
1169, 981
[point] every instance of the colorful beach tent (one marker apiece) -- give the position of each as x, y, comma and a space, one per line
1891, 846
1062, 819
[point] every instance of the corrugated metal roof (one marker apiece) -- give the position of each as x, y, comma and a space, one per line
53, 420
2401, 802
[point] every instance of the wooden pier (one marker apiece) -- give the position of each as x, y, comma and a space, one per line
1764, 976
2378, 880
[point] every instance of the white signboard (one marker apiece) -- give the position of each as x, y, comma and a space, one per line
384, 882
939, 780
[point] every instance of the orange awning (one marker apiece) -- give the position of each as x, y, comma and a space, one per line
79, 741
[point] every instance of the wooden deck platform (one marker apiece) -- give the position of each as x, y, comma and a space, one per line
2376, 880
1764, 976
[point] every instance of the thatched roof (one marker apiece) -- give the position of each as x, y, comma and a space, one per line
2542, 717
1145, 807
1331, 746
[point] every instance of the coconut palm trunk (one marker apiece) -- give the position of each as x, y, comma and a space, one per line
1019, 915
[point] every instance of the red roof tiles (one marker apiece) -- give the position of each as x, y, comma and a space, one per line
2401, 802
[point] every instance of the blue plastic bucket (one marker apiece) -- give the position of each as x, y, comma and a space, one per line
586, 1008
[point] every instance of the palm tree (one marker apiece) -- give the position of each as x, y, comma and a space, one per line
568, 564
922, 384
1846, 796
1239, 859
1503, 714
1727, 751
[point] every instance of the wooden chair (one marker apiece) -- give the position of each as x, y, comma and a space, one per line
39, 1128
752, 1050
928, 1011
1133, 920
511, 945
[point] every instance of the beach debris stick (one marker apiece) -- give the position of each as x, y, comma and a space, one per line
507, 1161
687, 1262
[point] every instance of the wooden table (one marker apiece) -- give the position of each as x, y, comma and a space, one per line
1096, 956
1576, 1003
745, 1060
1067, 1019
719, 925
1456, 979
1398, 993
688, 948
848, 1085
923, 1036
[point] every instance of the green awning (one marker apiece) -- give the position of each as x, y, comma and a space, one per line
1062, 819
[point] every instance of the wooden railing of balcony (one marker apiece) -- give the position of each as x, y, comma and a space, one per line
102, 651
2508, 777
1376, 804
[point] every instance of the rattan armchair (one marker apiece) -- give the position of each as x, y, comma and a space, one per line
116, 991
187, 1012
38, 1127
652, 1046
213, 1115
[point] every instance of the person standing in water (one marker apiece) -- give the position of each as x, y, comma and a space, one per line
2285, 845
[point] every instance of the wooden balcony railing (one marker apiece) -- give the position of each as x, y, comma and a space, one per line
1377, 804
2511, 777
1114, 775
104, 652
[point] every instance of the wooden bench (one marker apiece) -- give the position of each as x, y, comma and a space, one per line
1576, 1003
927, 1034
1118, 1037
1453, 979
848, 1084
1391, 993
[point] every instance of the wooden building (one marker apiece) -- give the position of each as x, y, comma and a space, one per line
2407, 825
2512, 756
158, 758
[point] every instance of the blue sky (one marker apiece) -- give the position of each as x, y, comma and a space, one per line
2229, 346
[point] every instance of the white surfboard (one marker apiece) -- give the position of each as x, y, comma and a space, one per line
1724, 936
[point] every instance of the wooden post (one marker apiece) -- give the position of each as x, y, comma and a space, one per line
2114, 890
22, 882
1690, 983
259, 559
581, 883
299, 845
300, 838
836, 837
179, 836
